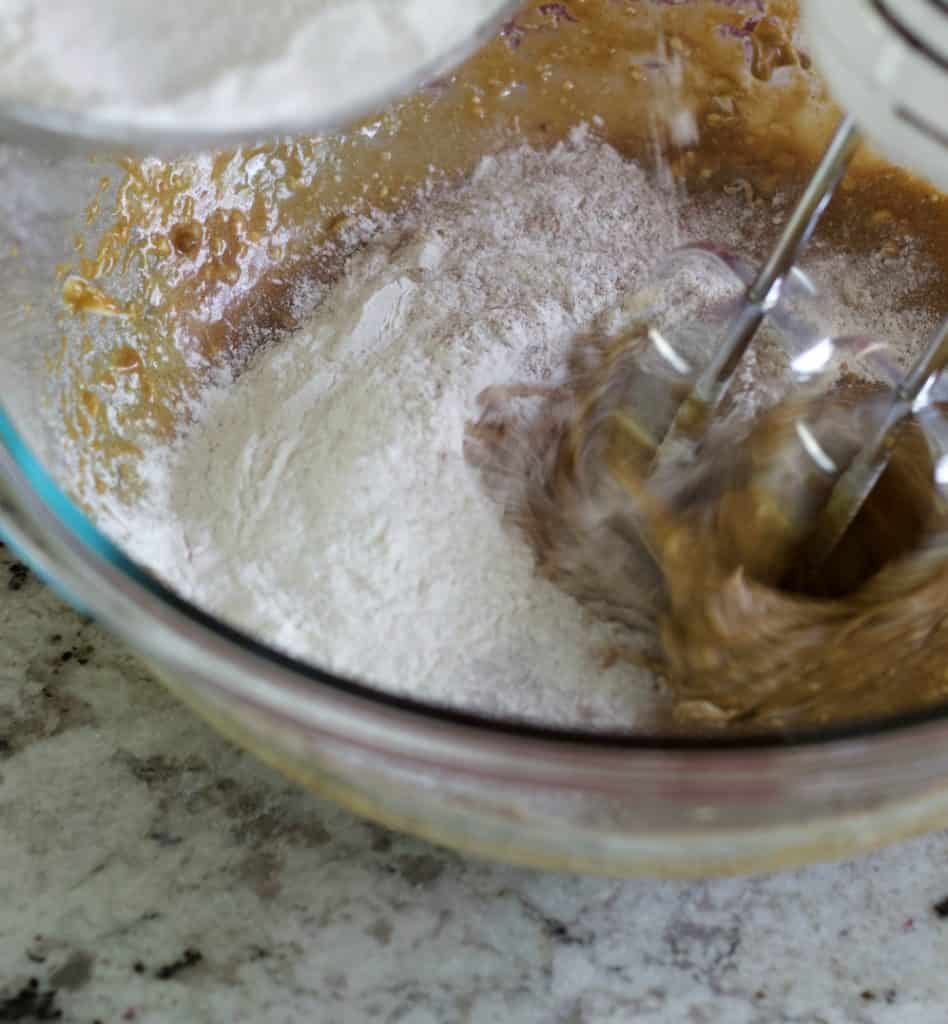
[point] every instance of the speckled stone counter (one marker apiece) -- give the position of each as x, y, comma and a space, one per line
151, 872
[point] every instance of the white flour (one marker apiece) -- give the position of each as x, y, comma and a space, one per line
222, 64
323, 502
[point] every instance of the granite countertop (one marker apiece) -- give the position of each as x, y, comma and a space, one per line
151, 872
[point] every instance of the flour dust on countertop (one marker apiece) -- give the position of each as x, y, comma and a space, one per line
323, 501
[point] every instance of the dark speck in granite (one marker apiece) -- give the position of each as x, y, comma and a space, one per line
189, 958
421, 870
19, 574
556, 930
380, 930
74, 973
261, 868
45, 705
158, 769
704, 950
30, 1003
380, 839
165, 839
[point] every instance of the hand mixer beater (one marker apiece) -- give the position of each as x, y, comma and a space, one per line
709, 374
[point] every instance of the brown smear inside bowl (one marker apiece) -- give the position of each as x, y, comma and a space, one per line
188, 267
738, 641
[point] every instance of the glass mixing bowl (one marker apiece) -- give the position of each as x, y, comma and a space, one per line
85, 381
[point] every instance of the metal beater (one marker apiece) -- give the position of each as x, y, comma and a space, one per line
856, 482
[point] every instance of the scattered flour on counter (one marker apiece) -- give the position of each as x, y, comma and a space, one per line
323, 501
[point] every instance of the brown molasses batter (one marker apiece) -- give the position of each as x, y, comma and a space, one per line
718, 541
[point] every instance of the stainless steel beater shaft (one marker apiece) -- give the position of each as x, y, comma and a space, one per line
764, 293
855, 485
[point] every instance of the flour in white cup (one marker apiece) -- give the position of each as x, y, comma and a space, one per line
222, 65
